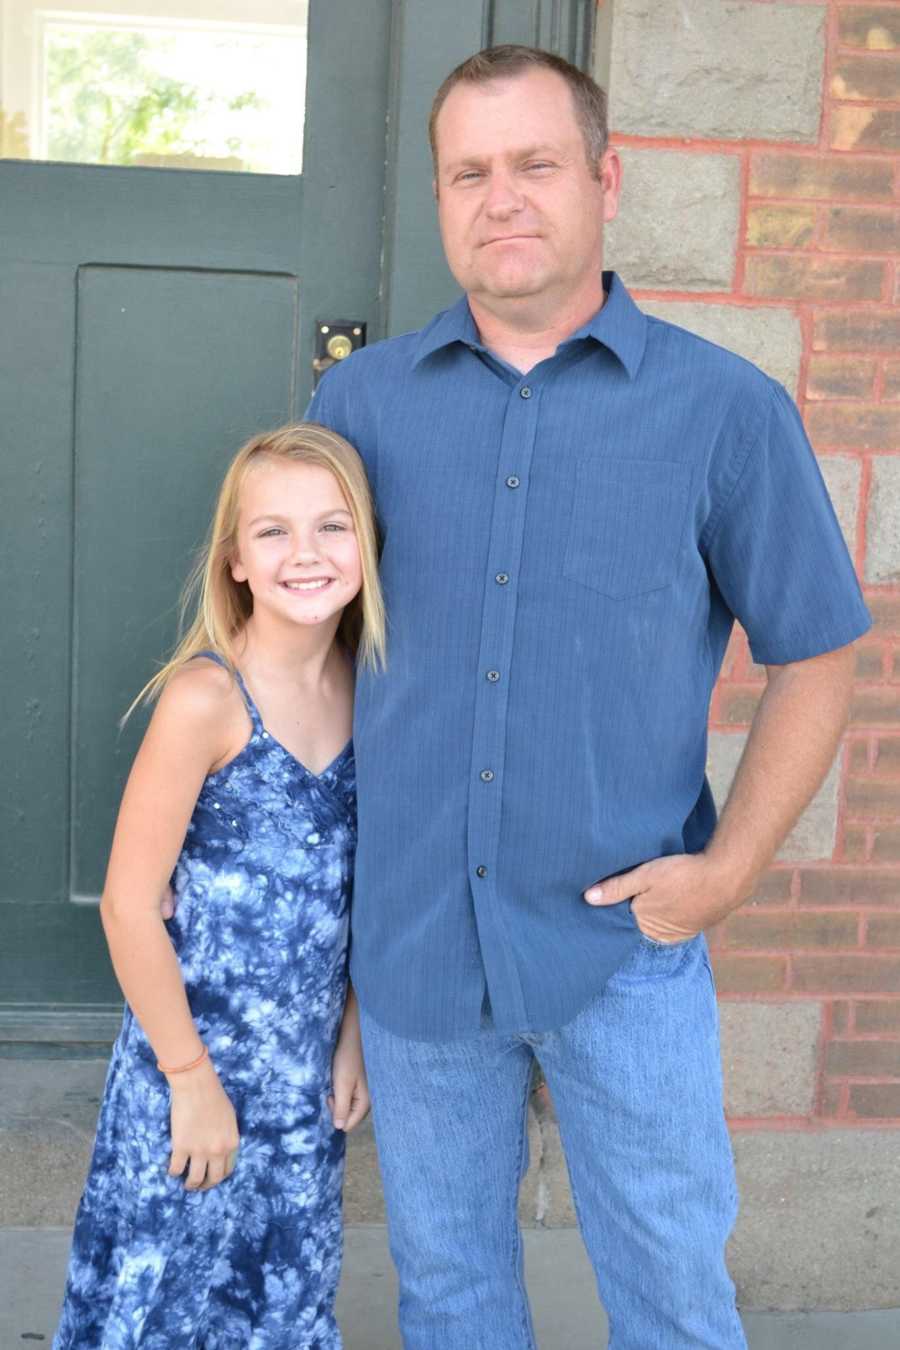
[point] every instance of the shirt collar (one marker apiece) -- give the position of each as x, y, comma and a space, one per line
619, 326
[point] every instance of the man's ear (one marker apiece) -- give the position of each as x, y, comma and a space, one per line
434, 188
609, 172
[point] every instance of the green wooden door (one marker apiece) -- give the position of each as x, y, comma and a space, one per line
150, 320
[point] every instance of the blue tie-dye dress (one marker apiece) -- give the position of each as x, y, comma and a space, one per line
260, 930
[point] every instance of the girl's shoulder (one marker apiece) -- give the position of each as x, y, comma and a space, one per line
201, 691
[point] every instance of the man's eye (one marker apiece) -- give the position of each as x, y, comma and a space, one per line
469, 176
541, 164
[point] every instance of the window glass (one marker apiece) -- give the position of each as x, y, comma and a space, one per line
187, 84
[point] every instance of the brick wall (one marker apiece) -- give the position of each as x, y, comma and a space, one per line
762, 208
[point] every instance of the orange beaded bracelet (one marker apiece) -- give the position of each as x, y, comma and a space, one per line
183, 1068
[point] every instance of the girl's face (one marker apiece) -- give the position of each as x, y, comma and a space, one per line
296, 546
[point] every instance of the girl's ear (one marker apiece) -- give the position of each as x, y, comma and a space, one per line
238, 570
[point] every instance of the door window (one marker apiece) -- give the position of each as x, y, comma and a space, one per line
182, 84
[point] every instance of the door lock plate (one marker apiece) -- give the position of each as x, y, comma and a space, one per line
335, 340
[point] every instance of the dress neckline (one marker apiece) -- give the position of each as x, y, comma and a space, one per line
260, 729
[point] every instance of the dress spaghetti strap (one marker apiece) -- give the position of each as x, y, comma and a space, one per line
252, 709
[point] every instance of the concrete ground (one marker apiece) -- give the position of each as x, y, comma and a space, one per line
561, 1286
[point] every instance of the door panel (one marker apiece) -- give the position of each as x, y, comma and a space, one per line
216, 344
150, 320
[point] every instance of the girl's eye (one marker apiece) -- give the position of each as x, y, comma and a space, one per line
267, 534
333, 525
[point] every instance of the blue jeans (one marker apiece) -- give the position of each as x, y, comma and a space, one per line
636, 1083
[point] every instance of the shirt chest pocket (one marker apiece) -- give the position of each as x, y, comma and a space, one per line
627, 525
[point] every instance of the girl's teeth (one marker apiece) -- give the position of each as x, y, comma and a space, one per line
306, 585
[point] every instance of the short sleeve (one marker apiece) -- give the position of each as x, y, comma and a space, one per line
776, 551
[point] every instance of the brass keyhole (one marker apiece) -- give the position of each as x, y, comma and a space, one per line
339, 346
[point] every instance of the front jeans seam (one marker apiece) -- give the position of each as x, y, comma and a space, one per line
517, 1231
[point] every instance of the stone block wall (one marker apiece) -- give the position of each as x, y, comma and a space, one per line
761, 208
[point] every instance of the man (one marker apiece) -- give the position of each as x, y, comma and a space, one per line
576, 502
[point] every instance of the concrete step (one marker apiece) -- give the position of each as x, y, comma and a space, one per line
819, 1226
566, 1313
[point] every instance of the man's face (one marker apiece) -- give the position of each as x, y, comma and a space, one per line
520, 209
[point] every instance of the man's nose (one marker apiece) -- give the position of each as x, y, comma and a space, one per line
503, 198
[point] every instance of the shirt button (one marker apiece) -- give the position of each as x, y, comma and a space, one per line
501, 578
481, 871
525, 392
487, 775
512, 481
493, 676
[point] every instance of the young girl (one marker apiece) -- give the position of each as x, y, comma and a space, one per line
211, 1216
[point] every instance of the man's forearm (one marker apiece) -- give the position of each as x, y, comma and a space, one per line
792, 742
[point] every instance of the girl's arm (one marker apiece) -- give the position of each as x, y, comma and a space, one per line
349, 1102
196, 724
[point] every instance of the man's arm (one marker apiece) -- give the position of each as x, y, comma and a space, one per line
792, 742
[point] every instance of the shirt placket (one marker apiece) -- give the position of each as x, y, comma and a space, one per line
501, 596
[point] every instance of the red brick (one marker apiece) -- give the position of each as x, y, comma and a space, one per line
875, 705
892, 379
887, 755
857, 330
860, 229
886, 844
737, 705
875, 27
792, 276
858, 757
840, 377
878, 1015
883, 930
866, 77
849, 886
895, 666
862, 426
873, 798
773, 887
840, 1017
820, 177
846, 974
832, 1097
749, 974
875, 1101
791, 930
780, 226
857, 127
863, 1059
869, 663
885, 611
855, 844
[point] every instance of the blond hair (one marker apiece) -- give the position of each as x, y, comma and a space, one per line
510, 59
221, 606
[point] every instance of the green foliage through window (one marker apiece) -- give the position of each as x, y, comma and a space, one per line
109, 102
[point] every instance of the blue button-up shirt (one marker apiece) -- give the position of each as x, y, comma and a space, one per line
565, 553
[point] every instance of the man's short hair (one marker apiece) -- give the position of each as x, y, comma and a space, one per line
509, 60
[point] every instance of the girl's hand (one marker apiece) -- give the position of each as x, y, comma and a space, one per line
349, 1102
205, 1134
